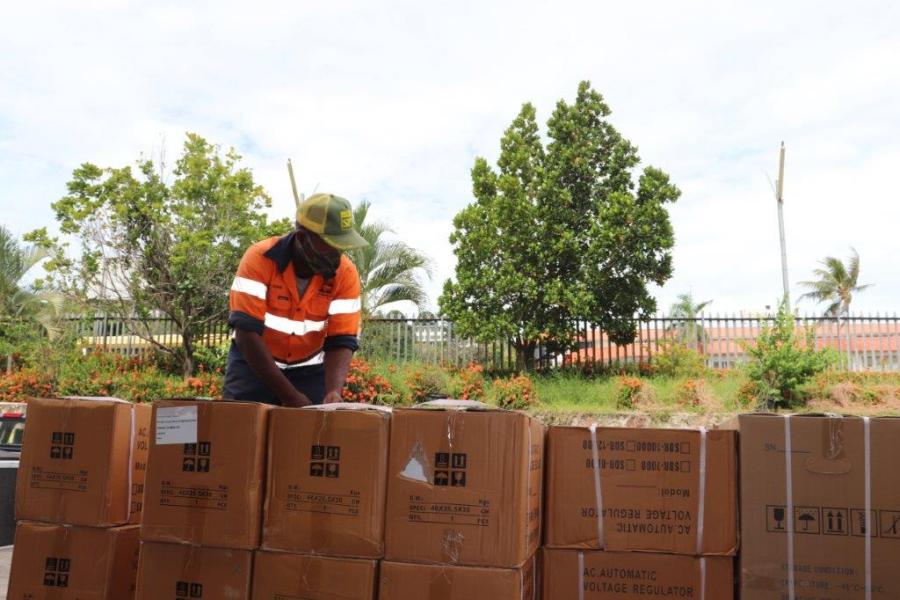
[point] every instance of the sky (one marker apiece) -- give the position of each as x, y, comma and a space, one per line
391, 102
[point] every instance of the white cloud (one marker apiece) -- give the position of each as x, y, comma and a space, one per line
391, 102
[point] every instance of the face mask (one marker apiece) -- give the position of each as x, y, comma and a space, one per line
325, 265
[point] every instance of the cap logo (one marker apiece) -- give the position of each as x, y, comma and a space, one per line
346, 219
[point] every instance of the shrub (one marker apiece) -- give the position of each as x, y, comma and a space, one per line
426, 382
677, 360
693, 393
19, 385
515, 393
468, 383
628, 390
363, 385
781, 361
213, 359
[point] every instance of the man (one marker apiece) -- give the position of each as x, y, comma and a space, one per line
295, 309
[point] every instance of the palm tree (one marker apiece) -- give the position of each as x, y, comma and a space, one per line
836, 283
18, 302
388, 271
689, 330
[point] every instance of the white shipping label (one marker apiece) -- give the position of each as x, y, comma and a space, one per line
176, 425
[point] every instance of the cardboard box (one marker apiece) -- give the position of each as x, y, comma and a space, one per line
816, 525
83, 461
603, 575
206, 478
327, 474
182, 572
653, 487
68, 562
406, 581
283, 576
464, 485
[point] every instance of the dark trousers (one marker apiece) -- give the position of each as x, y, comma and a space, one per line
241, 383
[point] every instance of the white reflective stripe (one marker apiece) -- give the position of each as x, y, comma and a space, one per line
285, 325
318, 359
344, 307
249, 286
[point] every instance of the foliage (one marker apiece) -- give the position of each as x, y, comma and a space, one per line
19, 385
388, 271
27, 315
468, 382
628, 392
781, 361
364, 385
835, 284
677, 360
146, 245
514, 393
212, 358
689, 330
558, 233
692, 393
425, 382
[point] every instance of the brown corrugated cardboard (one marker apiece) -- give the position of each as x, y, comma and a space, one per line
205, 480
652, 486
603, 575
83, 461
464, 485
182, 572
284, 576
67, 562
828, 527
407, 581
327, 473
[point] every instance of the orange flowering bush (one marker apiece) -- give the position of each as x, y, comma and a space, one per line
628, 389
515, 393
425, 382
18, 385
363, 385
468, 383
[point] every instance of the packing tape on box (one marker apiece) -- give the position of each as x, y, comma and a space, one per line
701, 503
598, 492
789, 502
867, 446
581, 576
703, 577
129, 497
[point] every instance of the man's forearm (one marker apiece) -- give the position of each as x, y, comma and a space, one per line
337, 365
257, 355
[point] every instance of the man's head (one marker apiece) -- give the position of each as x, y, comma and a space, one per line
325, 228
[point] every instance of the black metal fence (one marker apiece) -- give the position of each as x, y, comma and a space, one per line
864, 342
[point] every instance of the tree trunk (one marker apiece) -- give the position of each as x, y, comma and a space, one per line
187, 345
9, 363
525, 355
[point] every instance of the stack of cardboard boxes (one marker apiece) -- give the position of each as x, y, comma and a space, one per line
464, 503
78, 499
640, 513
203, 500
323, 529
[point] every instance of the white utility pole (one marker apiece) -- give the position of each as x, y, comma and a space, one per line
298, 198
779, 196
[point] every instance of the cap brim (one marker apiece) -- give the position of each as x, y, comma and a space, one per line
345, 241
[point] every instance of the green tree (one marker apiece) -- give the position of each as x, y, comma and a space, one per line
24, 311
148, 246
835, 284
689, 330
559, 233
389, 271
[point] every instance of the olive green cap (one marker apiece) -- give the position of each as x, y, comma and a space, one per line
331, 217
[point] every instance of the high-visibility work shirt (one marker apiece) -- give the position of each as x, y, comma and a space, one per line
296, 329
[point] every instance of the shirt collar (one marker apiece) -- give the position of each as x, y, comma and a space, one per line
282, 252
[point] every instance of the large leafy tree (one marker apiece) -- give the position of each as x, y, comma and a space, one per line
389, 271
146, 245
835, 284
24, 311
560, 232
689, 330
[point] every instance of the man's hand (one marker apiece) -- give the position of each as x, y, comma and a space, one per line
332, 398
297, 401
